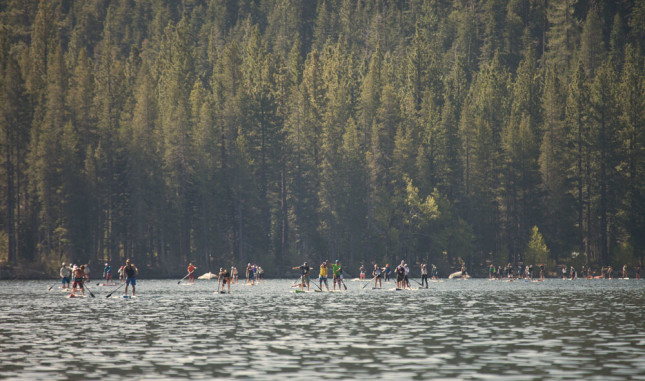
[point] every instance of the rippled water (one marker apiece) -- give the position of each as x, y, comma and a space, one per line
474, 329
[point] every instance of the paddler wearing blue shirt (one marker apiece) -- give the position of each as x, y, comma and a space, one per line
107, 273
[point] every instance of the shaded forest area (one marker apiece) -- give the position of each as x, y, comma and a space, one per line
275, 131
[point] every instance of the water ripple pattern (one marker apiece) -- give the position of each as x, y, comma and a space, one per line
467, 330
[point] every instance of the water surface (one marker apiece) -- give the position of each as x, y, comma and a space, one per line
471, 330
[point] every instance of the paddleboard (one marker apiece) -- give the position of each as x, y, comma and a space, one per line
107, 285
299, 291
76, 296
129, 297
455, 274
623, 278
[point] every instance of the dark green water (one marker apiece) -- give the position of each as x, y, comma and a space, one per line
456, 329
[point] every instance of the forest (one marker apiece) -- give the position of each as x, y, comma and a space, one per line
278, 131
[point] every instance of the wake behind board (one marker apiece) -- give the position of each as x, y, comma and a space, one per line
76, 296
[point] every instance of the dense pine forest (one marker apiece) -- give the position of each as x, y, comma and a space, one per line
275, 131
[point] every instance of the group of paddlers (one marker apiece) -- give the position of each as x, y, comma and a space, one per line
78, 276
379, 274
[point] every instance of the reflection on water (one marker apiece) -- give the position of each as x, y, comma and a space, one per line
474, 329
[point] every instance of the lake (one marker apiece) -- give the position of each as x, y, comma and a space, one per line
457, 329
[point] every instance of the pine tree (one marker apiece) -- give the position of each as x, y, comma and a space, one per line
556, 164
577, 118
604, 112
562, 34
592, 46
632, 116
15, 123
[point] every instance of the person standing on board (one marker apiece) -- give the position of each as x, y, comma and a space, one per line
249, 274
322, 277
304, 277
424, 274
79, 277
337, 270
65, 275
361, 271
542, 272
121, 275
107, 274
625, 271
491, 271
638, 272
225, 277
400, 275
435, 272
191, 273
130, 272
377, 274
387, 271
234, 274
86, 271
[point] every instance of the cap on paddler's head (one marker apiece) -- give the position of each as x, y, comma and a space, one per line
337, 261
106, 263
305, 262
63, 264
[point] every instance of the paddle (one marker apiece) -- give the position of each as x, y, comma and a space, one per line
295, 284
88, 289
110, 294
343, 282
370, 282
185, 276
52, 286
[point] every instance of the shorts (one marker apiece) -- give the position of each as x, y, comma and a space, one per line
65, 280
304, 279
132, 281
323, 279
77, 282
